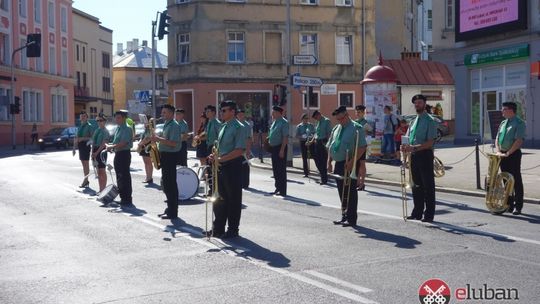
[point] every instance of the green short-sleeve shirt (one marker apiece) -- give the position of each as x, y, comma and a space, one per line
184, 129
248, 130
278, 131
212, 131
123, 134
338, 148
423, 128
101, 135
232, 136
323, 129
85, 130
304, 131
171, 131
515, 129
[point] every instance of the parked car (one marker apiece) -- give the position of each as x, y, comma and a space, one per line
442, 125
58, 137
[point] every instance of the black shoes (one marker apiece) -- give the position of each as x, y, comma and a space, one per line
168, 217
517, 212
212, 233
427, 220
230, 235
322, 183
150, 181
414, 218
348, 224
340, 222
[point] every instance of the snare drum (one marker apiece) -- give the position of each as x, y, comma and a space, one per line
108, 194
187, 182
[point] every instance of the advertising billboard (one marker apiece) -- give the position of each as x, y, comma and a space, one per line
478, 18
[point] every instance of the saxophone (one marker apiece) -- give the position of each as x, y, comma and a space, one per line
438, 167
151, 148
498, 186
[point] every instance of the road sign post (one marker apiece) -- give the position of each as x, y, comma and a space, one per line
303, 81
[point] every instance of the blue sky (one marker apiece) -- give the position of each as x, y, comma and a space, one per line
127, 18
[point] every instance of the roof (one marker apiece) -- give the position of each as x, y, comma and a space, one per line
420, 72
139, 58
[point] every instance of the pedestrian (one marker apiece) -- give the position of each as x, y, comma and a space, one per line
201, 147
99, 140
508, 143
278, 139
34, 134
305, 132
248, 131
322, 133
422, 134
400, 131
362, 121
212, 131
121, 145
84, 134
169, 145
146, 139
390, 125
184, 130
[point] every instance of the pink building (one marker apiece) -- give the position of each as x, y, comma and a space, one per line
45, 84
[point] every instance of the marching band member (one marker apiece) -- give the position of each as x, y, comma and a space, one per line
231, 144
84, 134
99, 139
184, 129
362, 121
169, 145
122, 143
248, 130
422, 134
202, 149
278, 138
341, 148
322, 133
212, 130
508, 143
146, 138
304, 131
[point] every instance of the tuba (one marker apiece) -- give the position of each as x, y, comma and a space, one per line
499, 186
151, 148
438, 167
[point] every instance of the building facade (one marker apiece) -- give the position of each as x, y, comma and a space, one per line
493, 58
44, 84
132, 79
92, 50
221, 50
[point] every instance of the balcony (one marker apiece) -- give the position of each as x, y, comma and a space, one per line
81, 92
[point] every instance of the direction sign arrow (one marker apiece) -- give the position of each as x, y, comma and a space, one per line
304, 60
307, 81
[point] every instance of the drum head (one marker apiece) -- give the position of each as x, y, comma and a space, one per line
105, 191
187, 183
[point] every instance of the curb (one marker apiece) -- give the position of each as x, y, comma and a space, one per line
295, 170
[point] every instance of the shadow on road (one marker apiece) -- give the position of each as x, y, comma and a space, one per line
301, 201
256, 251
457, 230
400, 241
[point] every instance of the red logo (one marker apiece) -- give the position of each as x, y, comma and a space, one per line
434, 291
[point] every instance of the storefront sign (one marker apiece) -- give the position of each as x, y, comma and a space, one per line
329, 89
497, 55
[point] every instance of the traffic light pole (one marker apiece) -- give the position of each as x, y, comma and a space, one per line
12, 96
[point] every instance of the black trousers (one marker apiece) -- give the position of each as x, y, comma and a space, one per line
424, 184
512, 165
122, 161
279, 168
168, 179
321, 159
245, 173
182, 155
228, 209
305, 158
349, 209
209, 172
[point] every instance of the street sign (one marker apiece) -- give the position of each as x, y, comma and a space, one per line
304, 60
142, 96
329, 89
307, 81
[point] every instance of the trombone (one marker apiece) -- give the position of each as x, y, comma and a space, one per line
215, 198
406, 183
349, 176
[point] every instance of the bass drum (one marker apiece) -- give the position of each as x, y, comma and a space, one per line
108, 194
187, 182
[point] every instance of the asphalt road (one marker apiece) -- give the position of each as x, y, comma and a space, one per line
58, 245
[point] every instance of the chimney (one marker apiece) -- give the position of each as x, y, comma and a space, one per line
135, 44
129, 47
120, 48
145, 43
410, 55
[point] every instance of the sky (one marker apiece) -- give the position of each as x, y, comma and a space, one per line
127, 18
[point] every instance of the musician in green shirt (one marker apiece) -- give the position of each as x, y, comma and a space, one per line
99, 140
278, 138
323, 129
82, 141
184, 129
305, 132
508, 143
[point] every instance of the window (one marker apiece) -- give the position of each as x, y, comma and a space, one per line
84, 80
24, 59
22, 8
4, 106
313, 103
308, 2
106, 60
346, 99
4, 5
50, 11
343, 2
63, 19
52, 60
430, 20
32, 106
59, 108
5, 52
449, 14
78, 79
83, 54
181, 1
344, 49
64, 63
37, 11
236, 47
308, 44
77, 52
183, 48
39, 64
106, 84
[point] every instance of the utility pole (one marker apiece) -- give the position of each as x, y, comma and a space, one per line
289, 87
154, 101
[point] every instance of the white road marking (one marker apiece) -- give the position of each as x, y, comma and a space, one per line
338, 281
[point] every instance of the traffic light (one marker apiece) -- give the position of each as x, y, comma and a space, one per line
33, 45
283, 94
16, 107
163, 24
149, 103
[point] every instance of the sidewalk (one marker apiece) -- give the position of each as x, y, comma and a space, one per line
460, 176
